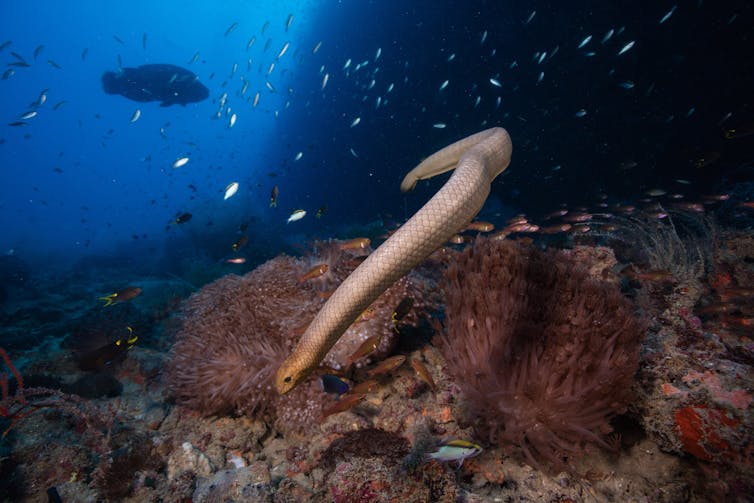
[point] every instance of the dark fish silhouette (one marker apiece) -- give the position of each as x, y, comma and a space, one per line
169, 84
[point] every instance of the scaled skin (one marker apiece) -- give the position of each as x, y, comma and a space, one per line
169, 84
477, 159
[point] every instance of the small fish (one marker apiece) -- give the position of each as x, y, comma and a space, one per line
18, 124
668, 14
355, 244
54, 64
182, 218
607, 36
480, 226
627, 84
356, 122
231, 28
298, 156
320, 211
265, 26
288, 21
423, 372
194, 58
119, 40
439, 125
367, 386
584, 42
456, 450
580, 113
236, 260
124, 295
316, 47
387, 365
269, 86
365, 348
8, 73
230, 190
333, 384
403, 308
108, 354
256, 100
240, 243
232, 121
28, 115
626, 47
347, 401
296, 215
38, 51
531, 16
541, 76
59, 104
315, 272
444, 85
655, 192
135, 116
324, 81
84, 52
251, 42
5, 45
144, 41
378, 53
180, 162
283, 50
274, 197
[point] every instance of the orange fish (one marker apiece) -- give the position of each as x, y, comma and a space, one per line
236, 260
388, 365
315, 272
347, 401
554, 229
367, 386
355, 244
367, 347
480, 226
423, 372
457, 239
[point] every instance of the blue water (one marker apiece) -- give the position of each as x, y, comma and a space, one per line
84, 181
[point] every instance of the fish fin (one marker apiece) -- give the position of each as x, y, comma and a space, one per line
108, 299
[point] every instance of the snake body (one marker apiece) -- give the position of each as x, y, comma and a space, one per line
477, 159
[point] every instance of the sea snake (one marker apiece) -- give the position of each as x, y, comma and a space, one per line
477, 159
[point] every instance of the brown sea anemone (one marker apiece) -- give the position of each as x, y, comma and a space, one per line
544, 354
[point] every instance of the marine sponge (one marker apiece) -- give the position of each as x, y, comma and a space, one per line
544, 354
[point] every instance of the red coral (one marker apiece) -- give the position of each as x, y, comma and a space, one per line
545, 354
703, 431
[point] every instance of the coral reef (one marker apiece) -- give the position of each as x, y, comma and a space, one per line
544, 354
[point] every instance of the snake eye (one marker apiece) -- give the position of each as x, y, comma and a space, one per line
287, 379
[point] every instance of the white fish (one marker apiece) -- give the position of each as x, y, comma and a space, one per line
271, 68
232, 121
180, 162
477, 100
378, 102
31, 114
495, 82
353, 153
134, 117
608, 35
584, 42
497, 102
316, 47
484, 37
377, 54
531, 16
452, 57
627, 84
371, 84
626, 47
348, 63
283, 50
269, 86
542, 57
669, 13
390, 88
324, 80
230, 190
288, 22
356, 122
541, 76
581, 113
439, 125
513, 65
298, 156
444, 85
256, 100
296, 215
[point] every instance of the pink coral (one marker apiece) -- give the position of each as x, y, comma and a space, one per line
544, 354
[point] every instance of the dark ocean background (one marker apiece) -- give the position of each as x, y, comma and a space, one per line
82, 183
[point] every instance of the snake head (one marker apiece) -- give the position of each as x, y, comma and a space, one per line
289, 375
